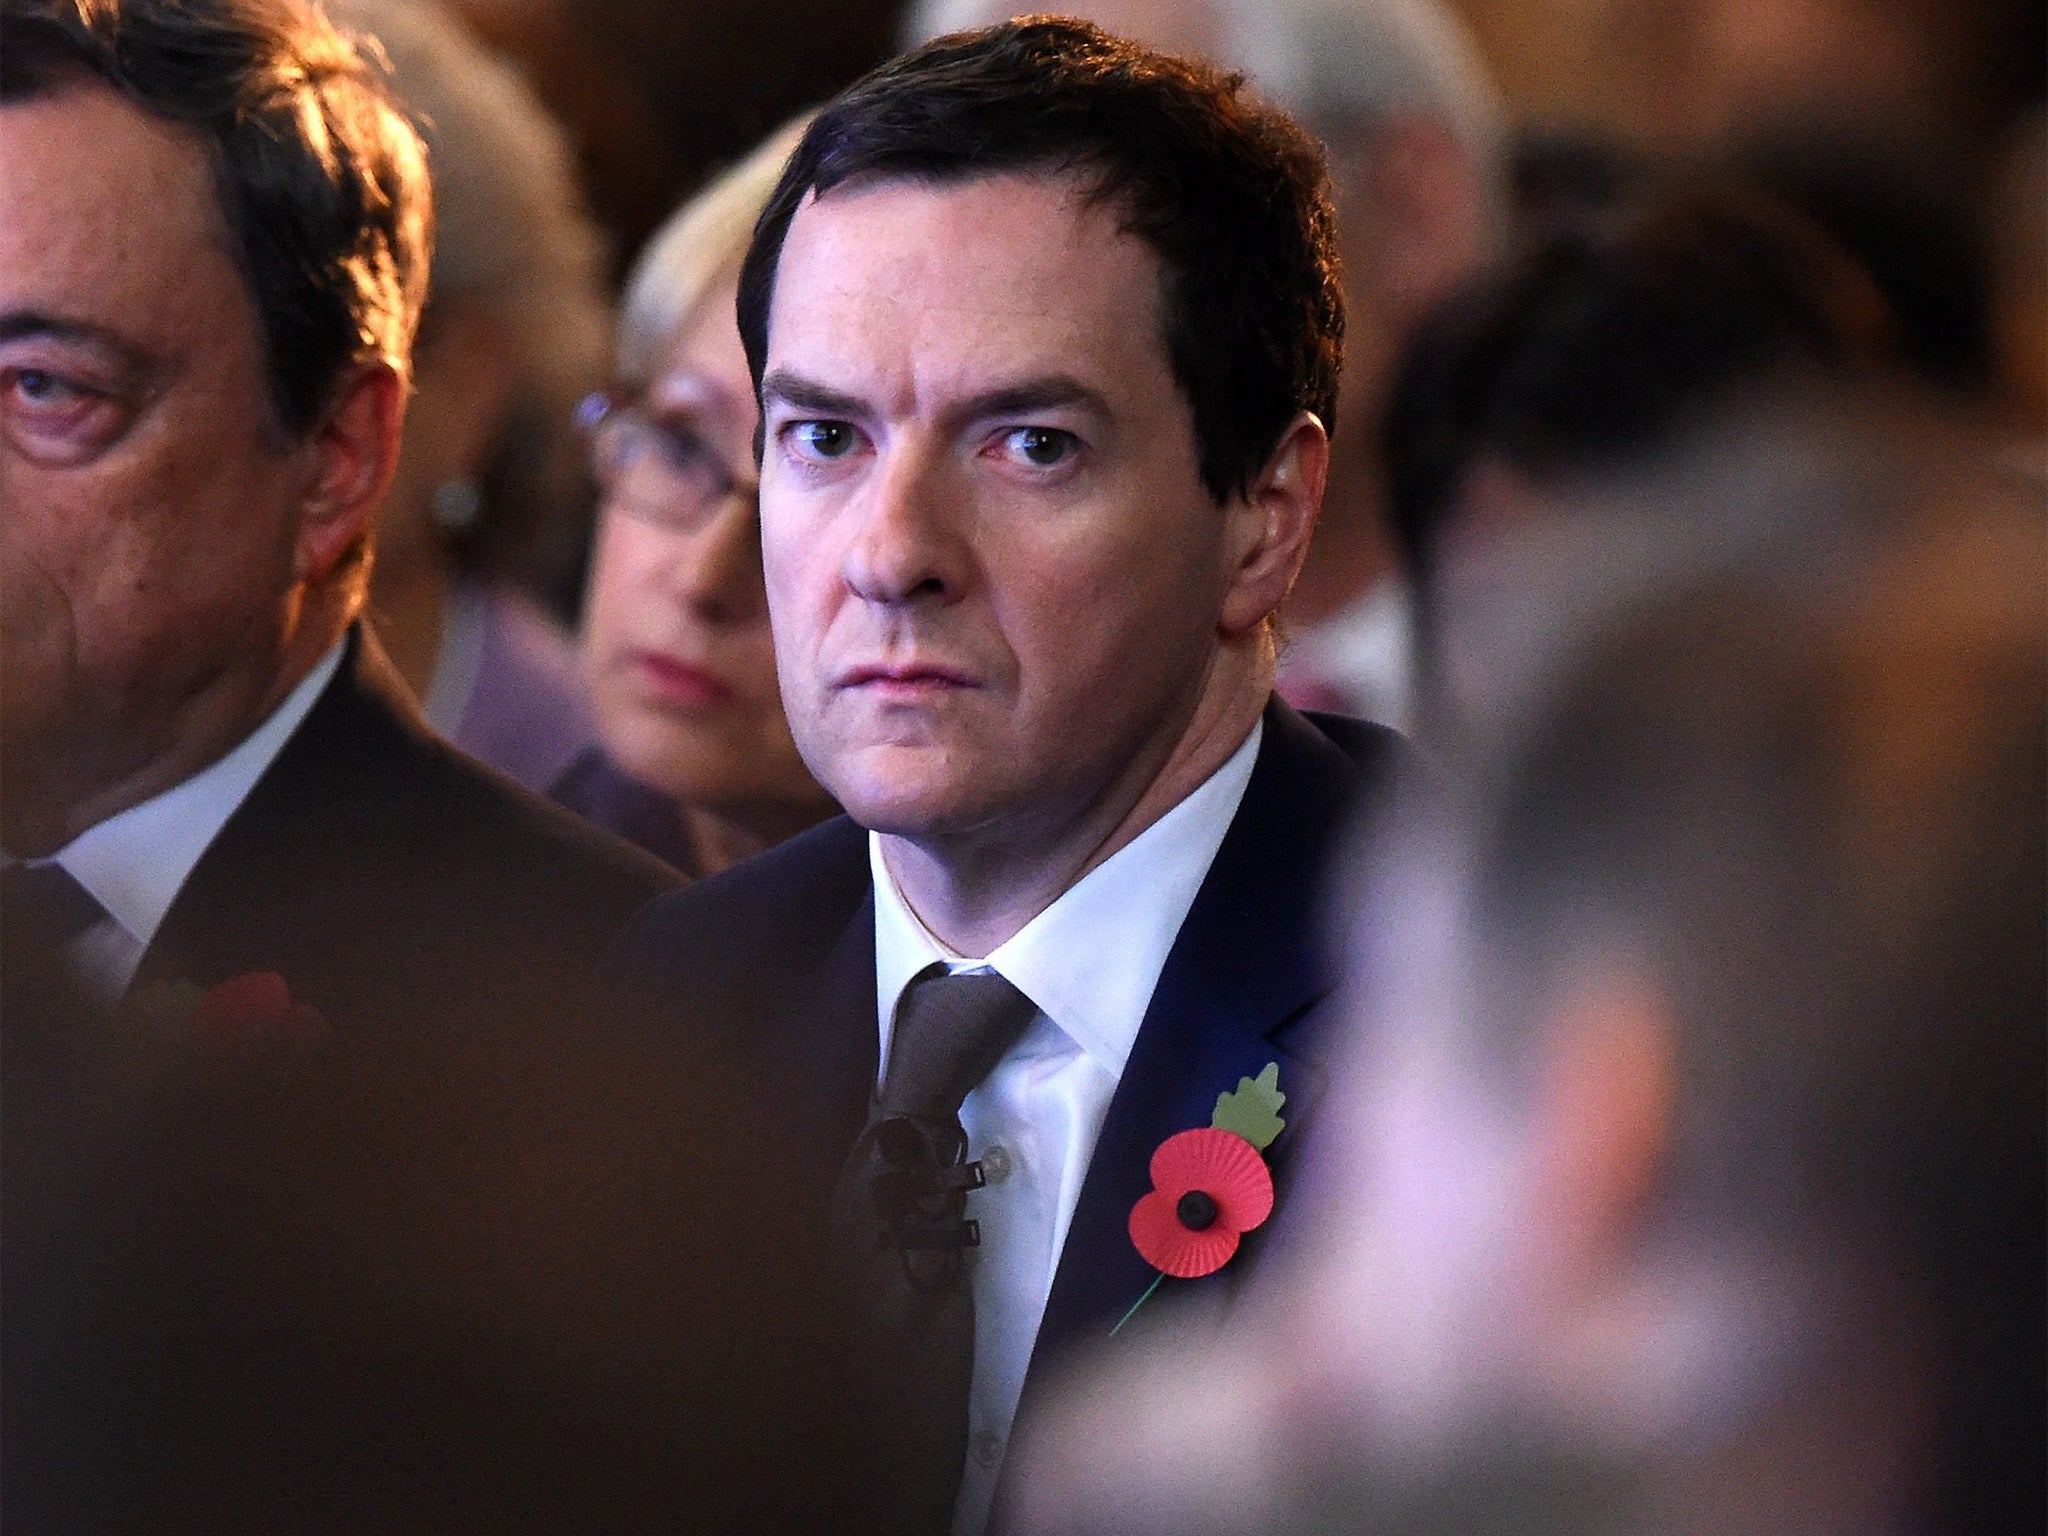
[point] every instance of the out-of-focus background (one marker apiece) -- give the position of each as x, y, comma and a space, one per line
657, 93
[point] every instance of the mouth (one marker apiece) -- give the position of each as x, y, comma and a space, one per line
681, 682
903, 682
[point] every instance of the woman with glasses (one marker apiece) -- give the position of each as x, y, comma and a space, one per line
695, 761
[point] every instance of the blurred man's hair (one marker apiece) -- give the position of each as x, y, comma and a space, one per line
1802, 789
1614, 339
1230, 196
321, 182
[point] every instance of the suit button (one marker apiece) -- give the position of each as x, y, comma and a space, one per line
988, 1449
995, 1165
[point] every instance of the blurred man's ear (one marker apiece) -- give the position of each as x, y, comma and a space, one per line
1604, 1116
353, 457
1272, 522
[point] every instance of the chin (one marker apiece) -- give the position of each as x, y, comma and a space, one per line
910, 808
676, 762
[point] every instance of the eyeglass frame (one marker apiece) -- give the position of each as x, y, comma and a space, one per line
607, 413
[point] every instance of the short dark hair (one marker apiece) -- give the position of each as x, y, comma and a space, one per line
1231, 196
321, 181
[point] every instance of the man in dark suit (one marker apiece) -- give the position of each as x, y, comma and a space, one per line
1046, 329
213, 229
358, 1232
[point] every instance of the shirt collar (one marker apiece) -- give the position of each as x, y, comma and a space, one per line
1091, 960
136, 862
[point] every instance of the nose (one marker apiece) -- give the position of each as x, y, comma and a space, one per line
907, 547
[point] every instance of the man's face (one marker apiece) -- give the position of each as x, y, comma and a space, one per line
994, 575
147, 548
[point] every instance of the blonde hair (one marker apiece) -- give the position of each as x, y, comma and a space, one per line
699, 247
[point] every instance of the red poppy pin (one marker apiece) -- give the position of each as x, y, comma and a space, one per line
1210, 1186
252, 1006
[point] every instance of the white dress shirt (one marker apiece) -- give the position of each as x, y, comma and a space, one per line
135, 862
1090, 962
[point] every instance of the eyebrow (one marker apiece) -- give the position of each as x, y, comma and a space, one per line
806, 395
30, 324
1052, 392
1056, 391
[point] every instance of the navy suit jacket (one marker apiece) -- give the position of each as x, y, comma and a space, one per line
775, 959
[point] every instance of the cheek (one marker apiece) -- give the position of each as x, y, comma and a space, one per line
1105, 611
622, 587
799, 577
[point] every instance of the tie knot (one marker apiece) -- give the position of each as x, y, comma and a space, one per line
45, 904
950, 1032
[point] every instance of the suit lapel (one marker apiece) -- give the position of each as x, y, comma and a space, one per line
841, 1044
311, 865
1246, 969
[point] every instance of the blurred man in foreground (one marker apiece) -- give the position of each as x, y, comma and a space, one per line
1700, 1093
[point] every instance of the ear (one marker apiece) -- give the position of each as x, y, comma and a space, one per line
1271, 523
354, 456
1605, 1116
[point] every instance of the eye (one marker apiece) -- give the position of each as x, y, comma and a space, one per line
1040, 447
54, 417
682, 448
822, 441
45, 390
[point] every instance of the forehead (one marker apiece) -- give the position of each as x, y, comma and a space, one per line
108, 218
924, 287
701, 362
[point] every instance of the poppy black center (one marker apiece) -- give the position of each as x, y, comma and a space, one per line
1196, 1210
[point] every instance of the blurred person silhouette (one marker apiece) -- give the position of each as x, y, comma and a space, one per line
1693, 1176
484, 529
1612, 340
695, 762
658, 97
1416, 140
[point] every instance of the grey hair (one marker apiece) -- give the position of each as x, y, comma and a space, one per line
516, 239
1342, 67
701, 244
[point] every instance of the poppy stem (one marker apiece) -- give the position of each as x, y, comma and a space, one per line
1139, 1302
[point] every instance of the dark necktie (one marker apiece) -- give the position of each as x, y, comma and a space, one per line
900, 1211
43, 907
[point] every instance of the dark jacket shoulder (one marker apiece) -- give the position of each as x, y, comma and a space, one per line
728, 948
390, 877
